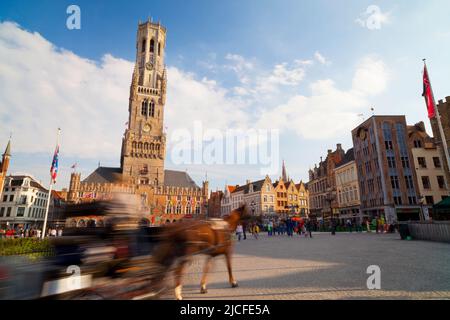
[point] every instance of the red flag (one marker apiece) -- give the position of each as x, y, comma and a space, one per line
428, 94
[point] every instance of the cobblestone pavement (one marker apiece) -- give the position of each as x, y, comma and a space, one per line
326, 267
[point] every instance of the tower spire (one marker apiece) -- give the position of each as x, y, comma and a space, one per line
8, 149
283, 172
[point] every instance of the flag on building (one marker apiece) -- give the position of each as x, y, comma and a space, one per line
428, 94
54, 167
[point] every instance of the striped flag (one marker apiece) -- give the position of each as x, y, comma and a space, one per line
54, 167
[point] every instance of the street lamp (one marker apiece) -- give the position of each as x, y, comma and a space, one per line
330, 197
422, 212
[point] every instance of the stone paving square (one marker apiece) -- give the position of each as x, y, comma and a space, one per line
326, 267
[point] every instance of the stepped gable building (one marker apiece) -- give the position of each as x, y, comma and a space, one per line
444, 110
429, 166
322, 186
347, 189
303, 198
166, 195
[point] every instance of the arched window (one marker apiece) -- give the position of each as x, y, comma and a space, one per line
188, 208
152, 45
140, 146
134, 145
197, 209
157, 147
143, 45
144, 109
178, 210
159, 49
151, 111
145, 146
152, 146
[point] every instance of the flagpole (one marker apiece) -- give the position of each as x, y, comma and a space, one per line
438, 118
49, 192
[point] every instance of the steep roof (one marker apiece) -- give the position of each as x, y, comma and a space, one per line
257, 186
348, 157
172, 178
8, 149
17, 180
182, 179
104, 175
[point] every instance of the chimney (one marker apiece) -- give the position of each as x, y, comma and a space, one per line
339, 146
421, 126
330, 151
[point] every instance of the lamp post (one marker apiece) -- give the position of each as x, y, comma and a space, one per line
423, 217
330, 198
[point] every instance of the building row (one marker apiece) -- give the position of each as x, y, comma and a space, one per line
263, 197
394, 170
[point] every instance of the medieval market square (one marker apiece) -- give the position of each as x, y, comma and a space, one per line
224, 150
326, 267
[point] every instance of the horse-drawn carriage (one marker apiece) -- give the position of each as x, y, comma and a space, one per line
124, 258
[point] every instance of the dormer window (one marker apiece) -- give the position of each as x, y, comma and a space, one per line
417, 144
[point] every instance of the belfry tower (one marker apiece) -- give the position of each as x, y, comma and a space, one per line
144, 141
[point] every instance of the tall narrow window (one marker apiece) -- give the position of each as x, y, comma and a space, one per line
152, 46
143, 45
159, 49
144, 110
151, 111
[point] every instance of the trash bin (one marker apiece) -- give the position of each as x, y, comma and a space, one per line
404, 231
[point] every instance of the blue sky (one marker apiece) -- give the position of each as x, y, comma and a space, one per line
235, 54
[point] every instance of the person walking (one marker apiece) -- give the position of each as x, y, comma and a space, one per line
368, 225
255, 231
309, 228
239, 231
244, 229
349, 225
333, 227
270, 228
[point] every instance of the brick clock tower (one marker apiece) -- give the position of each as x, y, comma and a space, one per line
144, 141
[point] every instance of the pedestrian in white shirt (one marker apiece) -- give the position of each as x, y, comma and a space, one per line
239, 231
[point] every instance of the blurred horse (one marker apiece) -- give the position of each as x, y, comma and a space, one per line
181, 240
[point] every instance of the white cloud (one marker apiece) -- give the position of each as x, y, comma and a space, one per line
189, 100
44, 87
319, 57
373, 18
370, 76
329, 111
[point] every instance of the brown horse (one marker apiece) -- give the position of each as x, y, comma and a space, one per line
210, 237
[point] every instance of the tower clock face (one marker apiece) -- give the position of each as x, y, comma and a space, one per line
149, 66
146, 128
